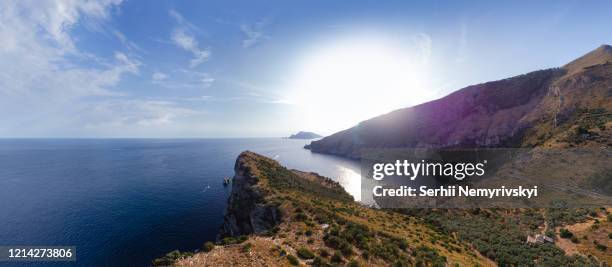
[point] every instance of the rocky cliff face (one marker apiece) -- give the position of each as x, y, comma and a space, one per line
247, 211
525, 110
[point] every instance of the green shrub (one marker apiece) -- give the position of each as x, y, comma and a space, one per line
162, 262
227, 240
353, 263
426, 255
247, 247
318, 262
346, 251
304, 253
293, 260
208, 246
234, 240
170, 258
300, 217
272, 232
337, 258
402, 243
564, 233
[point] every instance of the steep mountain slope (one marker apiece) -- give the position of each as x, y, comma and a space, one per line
297, 218
601, 55
561, 107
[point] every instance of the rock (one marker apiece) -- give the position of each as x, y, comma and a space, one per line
247, 211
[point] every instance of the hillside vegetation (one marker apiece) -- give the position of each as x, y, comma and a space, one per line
320, 225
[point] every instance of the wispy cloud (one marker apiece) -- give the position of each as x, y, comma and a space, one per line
183, 37
205, 78
49, 76
253, 32
182, 21
183, 79
158, 76
199, 98
36, 39
126, 42
127, 113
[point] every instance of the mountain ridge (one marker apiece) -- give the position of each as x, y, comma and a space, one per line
601, 55
543, 107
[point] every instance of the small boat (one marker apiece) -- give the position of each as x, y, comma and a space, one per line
227, 181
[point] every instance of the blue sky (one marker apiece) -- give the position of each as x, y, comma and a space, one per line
113, 68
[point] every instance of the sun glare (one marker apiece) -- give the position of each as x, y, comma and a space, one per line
342, 83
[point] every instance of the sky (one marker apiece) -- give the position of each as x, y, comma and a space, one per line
225, 69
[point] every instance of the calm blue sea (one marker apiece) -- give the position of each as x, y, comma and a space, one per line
123, 202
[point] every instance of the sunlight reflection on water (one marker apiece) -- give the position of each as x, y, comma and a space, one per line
351, 181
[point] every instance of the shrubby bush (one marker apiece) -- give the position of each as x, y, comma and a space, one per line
293, 260
337, 258
208, 246
247, 247
564, 233
233, 240
304, 253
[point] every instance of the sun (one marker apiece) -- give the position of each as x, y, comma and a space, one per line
341, 83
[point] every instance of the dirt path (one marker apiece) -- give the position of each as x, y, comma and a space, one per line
566, 244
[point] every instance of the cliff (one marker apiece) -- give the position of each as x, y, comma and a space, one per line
247, 210
282, 217
553, 107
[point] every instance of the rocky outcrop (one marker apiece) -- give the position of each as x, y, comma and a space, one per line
247, 211
525, 110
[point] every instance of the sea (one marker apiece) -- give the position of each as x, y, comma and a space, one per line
124, 202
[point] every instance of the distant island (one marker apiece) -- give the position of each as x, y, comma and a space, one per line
304, 135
